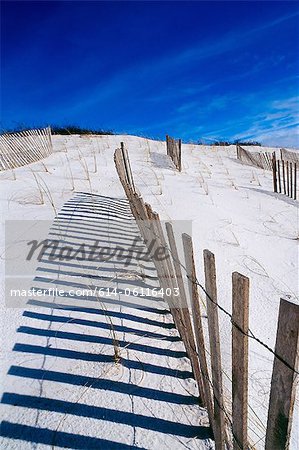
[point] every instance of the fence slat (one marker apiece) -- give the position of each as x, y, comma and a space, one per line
174, 150
274, 171
191, 347
198, 329
284, 177
278, 175
173, 302
282, 395
127, 166
295, 181
180, 155
214, 337
291, 180
288, 179
163, 267
240, 319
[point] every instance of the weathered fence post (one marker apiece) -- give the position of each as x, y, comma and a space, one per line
274, 172
278, 175
295, 181
282, 395
191, 347
214, 337
291, 180
127, 166
283, 177
174, 151
180, 155
288, 179
198, 329
240, 326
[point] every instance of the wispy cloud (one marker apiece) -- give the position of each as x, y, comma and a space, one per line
163, 67
278, 126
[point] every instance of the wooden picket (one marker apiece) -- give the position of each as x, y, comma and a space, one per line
282, 396
190, 342
214, 337
174, 150
240, 326
285, 175
197, 321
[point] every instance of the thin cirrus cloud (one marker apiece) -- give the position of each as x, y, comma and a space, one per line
276, 125
137, 75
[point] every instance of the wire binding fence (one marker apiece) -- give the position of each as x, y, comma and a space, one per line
24, 147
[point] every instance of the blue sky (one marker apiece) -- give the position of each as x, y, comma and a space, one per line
195, 70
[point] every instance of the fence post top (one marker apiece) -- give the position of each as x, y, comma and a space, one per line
236, 276
208, 254
287, 303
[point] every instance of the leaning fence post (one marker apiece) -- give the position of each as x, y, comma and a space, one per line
240, 326
198, 329
214, 337
191, 347
127, 166
282, 395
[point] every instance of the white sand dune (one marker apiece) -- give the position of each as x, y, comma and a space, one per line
51, 352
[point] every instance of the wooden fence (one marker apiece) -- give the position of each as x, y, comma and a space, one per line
262, 160
287, 155
285, 177
284, 171
174, 150
229, 430
24, 147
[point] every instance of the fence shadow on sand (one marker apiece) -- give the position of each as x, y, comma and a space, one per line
116, 359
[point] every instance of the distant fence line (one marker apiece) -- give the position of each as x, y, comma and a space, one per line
284, 170
174, 150
285, 177
286, 155
24, 147
263, 160
230, 429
